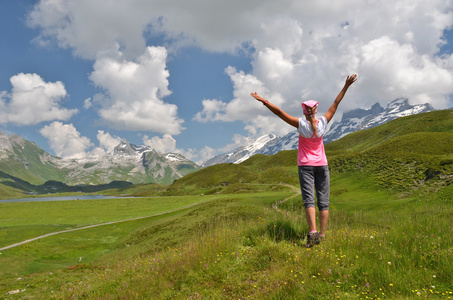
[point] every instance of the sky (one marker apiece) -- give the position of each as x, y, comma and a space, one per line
79, 76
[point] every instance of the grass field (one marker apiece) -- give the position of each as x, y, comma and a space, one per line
236, 246
390, 234
29, 219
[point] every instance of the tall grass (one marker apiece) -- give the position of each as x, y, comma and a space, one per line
377, 247
390, 234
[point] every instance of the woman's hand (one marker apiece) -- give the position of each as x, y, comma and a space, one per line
350, 80
276, 110
258, 97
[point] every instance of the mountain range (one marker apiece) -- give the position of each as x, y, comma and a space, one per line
352, 121
25, 160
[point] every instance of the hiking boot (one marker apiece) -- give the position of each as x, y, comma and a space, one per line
312, 239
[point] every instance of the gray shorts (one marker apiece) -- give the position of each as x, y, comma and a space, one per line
311, 179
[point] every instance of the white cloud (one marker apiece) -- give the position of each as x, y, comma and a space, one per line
299, 50
32, 101
396, 70
204, 154
243, 107
163, 145
65, 140
213, 110
167, 144
302, 48
106, 141
87, 103
88, 26
133, 92
106, 145
307, 51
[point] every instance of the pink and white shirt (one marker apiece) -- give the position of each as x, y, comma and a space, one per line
311, 147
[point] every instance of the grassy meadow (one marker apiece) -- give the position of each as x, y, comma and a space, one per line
237, 231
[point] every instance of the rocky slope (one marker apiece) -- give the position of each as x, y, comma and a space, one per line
127, 162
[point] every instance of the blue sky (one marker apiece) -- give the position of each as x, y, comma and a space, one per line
76, 77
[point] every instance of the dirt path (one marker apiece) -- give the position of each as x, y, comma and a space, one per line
97, 225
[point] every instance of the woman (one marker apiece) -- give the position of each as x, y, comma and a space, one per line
311, 158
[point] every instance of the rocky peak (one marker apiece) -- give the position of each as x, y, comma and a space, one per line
360, 113
124, 148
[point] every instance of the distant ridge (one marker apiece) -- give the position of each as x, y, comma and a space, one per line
26, 161
359, 119
352, 121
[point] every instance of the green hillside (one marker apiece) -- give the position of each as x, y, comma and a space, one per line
410, 154
432, 122
28, 162
236, 231
25, 161
261, 172
407, 155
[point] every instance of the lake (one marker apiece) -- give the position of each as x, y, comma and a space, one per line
61, 198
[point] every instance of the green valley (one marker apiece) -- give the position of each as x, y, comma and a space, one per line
235, 231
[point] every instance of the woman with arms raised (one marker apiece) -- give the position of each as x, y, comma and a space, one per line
311, 158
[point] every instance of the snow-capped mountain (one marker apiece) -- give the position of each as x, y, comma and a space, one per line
241, 154
126, 149
133, 163
353, 120
287, 142
127, 162
359, 119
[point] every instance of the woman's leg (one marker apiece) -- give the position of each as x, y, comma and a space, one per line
310, 214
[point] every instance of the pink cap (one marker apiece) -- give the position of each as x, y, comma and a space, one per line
309, 103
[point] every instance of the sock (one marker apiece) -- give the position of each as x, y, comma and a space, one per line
313, 231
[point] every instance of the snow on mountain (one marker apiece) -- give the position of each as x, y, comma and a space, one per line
359, 119
353, 120
287, 142
241, 154
126, 149
127, 162
174, 157
257, 145
135, 163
